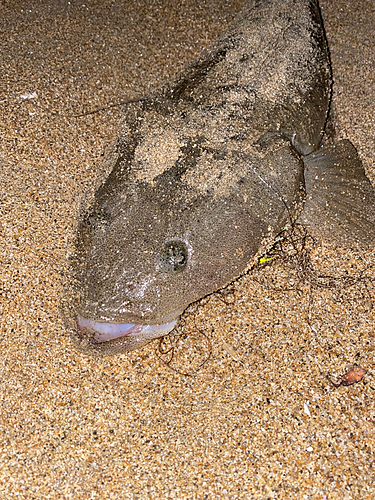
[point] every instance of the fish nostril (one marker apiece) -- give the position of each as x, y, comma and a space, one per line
173, 257
96, 220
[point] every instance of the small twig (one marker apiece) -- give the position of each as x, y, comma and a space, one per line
109, 106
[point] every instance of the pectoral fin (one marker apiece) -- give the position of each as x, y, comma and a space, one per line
340, 203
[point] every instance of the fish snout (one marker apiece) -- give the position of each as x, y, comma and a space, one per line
104, 331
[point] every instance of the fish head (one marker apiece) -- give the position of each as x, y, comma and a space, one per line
143, 257
154, 240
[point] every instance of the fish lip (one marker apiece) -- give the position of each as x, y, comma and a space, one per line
106, 331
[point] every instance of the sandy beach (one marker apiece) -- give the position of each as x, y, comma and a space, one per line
246, 409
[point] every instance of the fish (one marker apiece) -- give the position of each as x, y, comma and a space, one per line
206, 172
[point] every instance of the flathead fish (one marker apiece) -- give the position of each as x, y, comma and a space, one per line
207, 171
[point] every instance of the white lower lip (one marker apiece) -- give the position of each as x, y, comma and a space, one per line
103, 332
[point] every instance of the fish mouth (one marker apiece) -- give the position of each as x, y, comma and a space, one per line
104, 332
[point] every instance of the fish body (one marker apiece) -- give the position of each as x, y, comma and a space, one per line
205, 172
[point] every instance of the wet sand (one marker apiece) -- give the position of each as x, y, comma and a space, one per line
261, 418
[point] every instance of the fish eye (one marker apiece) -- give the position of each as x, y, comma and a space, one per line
173, 257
